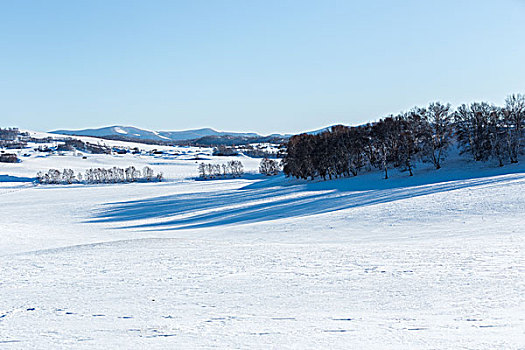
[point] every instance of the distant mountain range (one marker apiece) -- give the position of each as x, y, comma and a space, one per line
136, 133
205, 135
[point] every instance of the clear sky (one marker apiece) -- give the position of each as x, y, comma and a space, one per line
264, 66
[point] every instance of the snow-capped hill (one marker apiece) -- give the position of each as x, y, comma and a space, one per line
126, 131
198, 133
142, 134
133, 133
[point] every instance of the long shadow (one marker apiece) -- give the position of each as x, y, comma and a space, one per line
281, 198
10, 178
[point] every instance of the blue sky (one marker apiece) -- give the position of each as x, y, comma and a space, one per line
264, 66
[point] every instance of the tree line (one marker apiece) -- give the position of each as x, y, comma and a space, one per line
482, 131
233, 168
99, 175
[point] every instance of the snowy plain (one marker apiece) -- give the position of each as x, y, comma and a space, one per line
434, 261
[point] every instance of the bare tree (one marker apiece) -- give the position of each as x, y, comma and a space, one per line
514, 116
472, 129
438, 135
268, 167
202, 171
147, 173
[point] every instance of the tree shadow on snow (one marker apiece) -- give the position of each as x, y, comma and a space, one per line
279, 197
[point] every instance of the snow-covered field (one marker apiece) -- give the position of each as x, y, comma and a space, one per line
176, 163
436, 261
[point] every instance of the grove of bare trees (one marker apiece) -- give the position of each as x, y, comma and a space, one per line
233, 168
482, 131
99, 175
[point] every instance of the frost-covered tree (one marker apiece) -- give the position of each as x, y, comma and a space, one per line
237, 169
68, 176
132, 174
232, 168
54, 176
147, 173
202, 171
217, 170
40, 177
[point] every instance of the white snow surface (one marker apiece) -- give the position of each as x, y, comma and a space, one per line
119, 130
434, 261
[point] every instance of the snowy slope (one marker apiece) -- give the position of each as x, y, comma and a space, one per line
176, 162
424, 262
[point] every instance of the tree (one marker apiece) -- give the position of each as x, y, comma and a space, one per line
68, 176
53, 176
514, 116
497, 135
237, 169
147, 173
132, 174
385, 142
472, 129
301, 159
202, 170
356, 140
269, 167
411, 129
438, 133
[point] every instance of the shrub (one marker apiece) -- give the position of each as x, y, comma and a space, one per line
269, 167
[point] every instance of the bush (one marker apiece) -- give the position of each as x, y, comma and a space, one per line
225, 151
8, 158
269, 167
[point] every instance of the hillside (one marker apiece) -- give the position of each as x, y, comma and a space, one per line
436, 258
162, 136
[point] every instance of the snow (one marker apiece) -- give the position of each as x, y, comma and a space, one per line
159, 135
431, 261
176, 163
119, 130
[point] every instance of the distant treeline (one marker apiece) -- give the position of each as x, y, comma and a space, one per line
252, 151
72, 144
205, 141
228, 140
481, 130
12, 138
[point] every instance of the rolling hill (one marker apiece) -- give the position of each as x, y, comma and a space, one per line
162, 136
